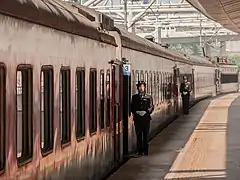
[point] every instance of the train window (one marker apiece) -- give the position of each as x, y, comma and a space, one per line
65, 107
158, 91
162, 87
150, 83
46, 108
80, 103
229, 78
133, 82
137, 77
108, 98
169, 86
2, 116
146, 80
155, 87
93, 100
165, 86
141, 76
24, 114
102, 102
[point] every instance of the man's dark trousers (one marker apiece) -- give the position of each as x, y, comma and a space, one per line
185, 102
142, 126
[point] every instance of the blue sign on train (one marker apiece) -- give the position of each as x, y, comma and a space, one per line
126, 69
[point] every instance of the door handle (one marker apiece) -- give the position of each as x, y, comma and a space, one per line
117, 104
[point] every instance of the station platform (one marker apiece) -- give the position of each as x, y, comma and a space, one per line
202, 145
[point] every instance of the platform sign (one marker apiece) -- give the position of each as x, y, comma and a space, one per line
126, 69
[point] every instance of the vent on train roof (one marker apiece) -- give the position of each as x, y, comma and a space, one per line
106, 22
83, 11
166, 46
149, 37
86, 14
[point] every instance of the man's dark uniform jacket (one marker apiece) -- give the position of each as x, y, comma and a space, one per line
185, 87
142, 103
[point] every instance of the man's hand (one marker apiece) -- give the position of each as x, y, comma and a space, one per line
141, 113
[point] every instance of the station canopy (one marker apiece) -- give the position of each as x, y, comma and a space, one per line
225, 12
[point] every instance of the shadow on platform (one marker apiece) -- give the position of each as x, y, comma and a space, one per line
233, 141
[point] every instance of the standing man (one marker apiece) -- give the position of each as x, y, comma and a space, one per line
185, 92
142, 108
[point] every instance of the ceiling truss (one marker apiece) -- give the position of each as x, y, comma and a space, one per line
174, 18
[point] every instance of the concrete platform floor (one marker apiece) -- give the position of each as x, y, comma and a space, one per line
202, 145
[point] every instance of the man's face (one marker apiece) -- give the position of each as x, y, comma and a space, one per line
185, 80
141, 88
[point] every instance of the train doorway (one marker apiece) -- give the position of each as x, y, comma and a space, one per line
175, 89
126, 111
116, 89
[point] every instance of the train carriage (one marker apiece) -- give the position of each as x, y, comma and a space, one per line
55, 67
229, 81
161, 68
153, 64
204, 77
64, 96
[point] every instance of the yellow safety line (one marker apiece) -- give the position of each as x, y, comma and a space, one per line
204, 155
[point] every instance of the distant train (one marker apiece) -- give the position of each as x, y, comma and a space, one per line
66, 85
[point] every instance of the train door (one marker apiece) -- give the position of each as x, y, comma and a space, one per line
238, 80
175, 89
193, 85
115, 109
126, 111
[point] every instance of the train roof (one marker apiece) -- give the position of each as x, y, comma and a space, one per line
67, 17
57, 15
137, 43
228, 65
199, 60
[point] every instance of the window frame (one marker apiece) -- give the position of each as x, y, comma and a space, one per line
160, 86
80, 133
3, 118
137, 79
46, 151
108, 99
93, 116
154, 87
138, 76
163, 86
65, 142
102, 100
142, 77
146, 81
25, 157
150, 83
228, 78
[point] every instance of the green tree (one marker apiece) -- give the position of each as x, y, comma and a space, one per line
191, 49
234, 58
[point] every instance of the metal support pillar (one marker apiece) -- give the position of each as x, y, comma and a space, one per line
208, 49
223, 52
132, 29
125, 15
159, 34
